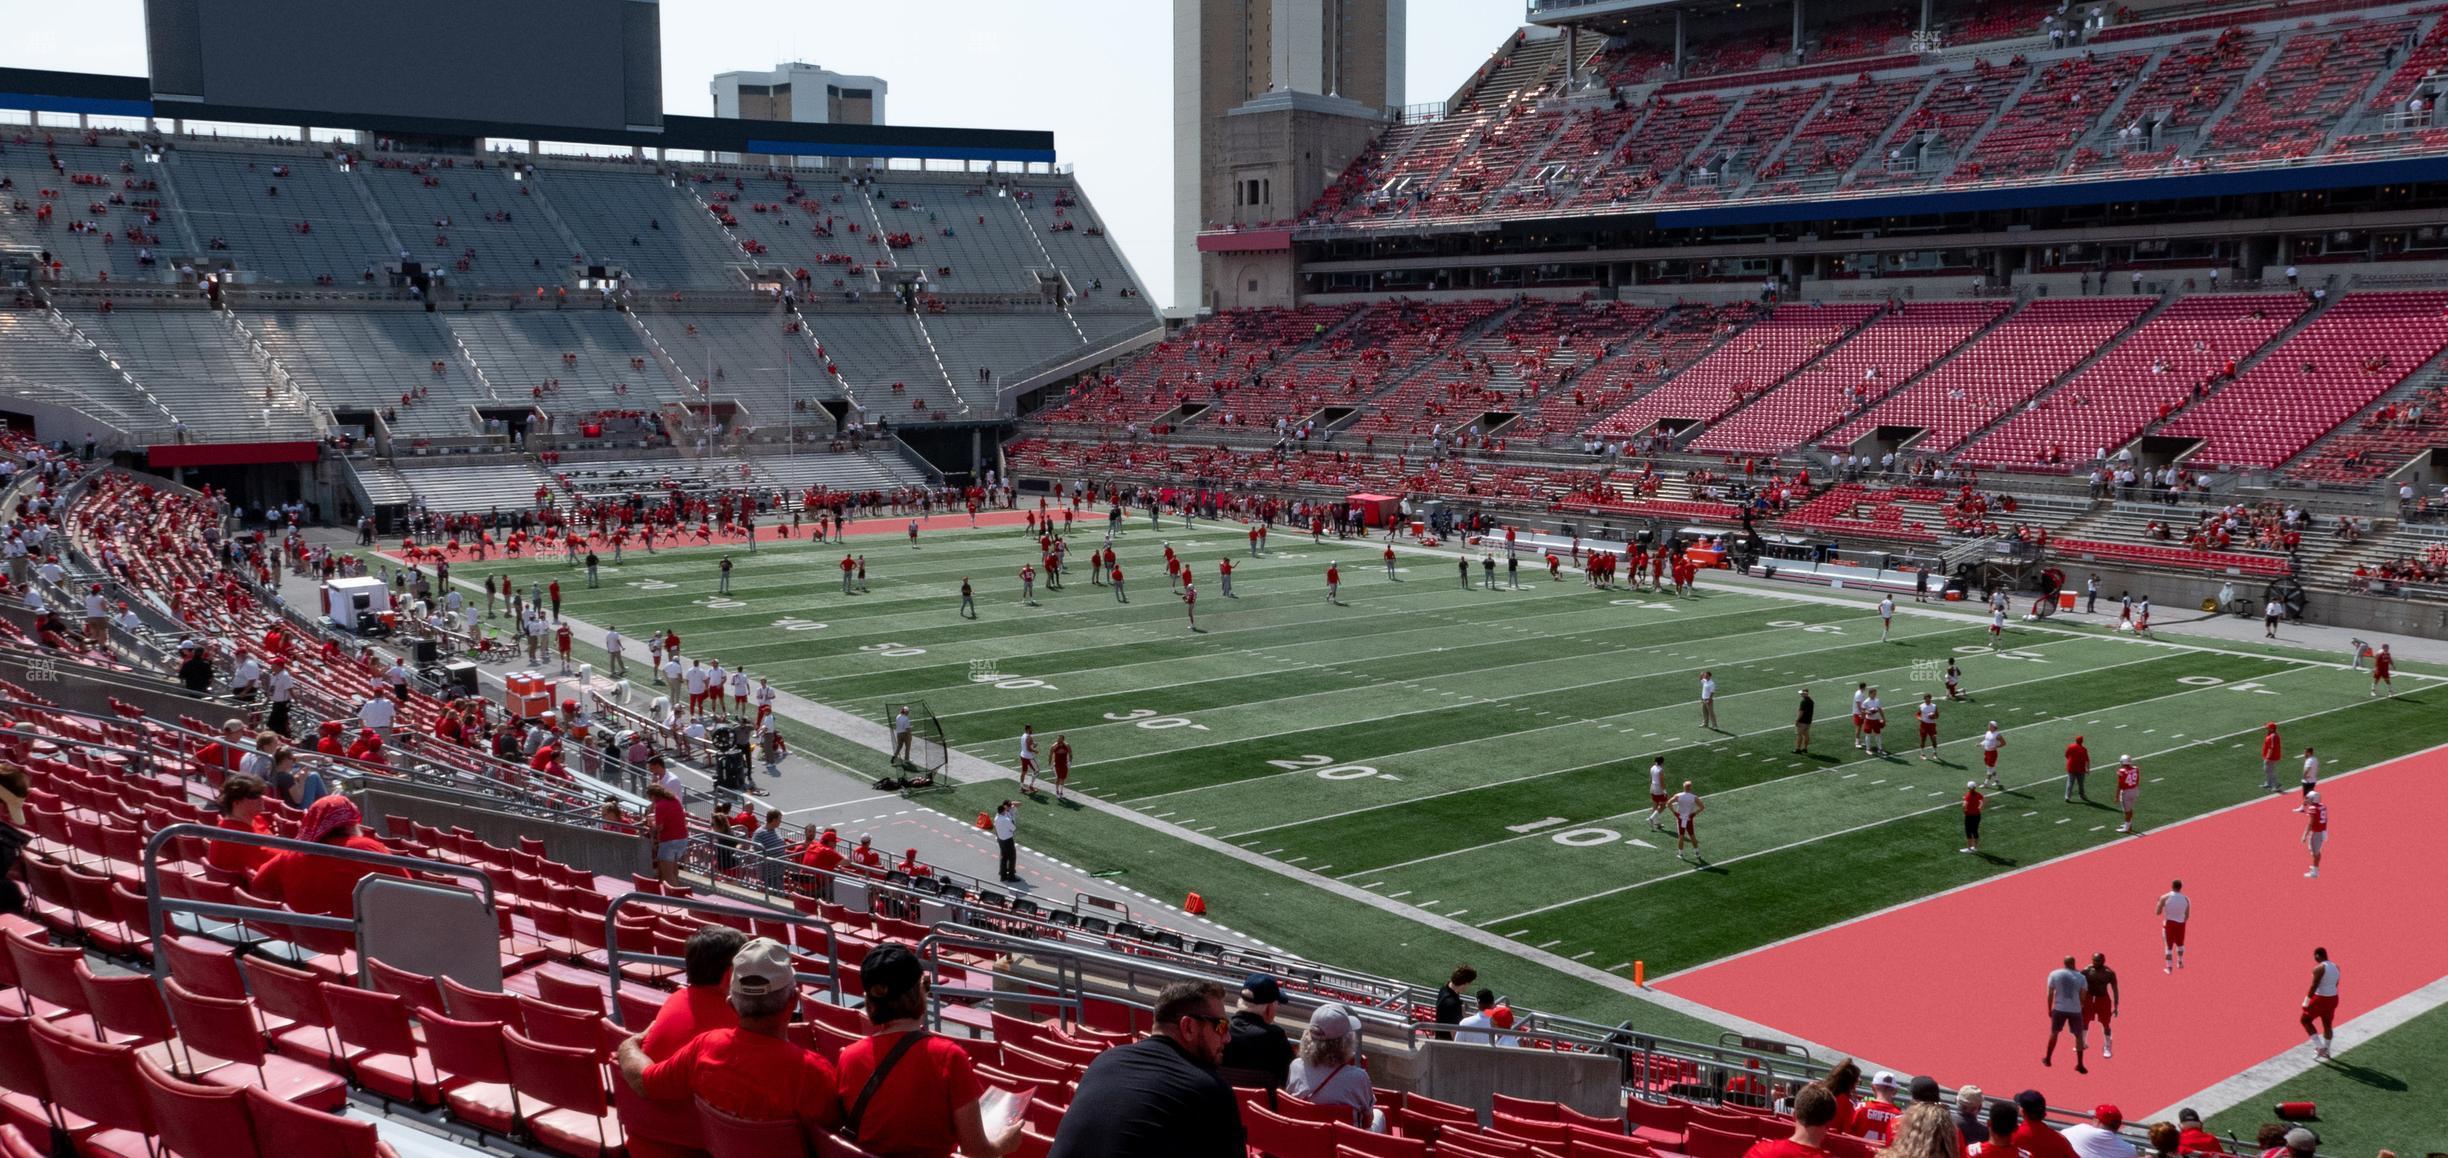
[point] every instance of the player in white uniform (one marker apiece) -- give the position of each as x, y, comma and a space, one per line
2175, 908
1028, 758
1657, 794
2320, 1003
1926, 713
1997, 628
2311, 776
1874, 725
1990, 742
1861, 693
1687, 808
1886, 616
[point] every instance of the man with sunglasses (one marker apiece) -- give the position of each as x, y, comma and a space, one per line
1160, 1097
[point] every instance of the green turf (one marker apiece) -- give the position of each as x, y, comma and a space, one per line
2383, 1094
1481, 755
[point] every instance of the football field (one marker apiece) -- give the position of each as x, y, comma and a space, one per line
1479, 757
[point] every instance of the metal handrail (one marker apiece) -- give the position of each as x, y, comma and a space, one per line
157, 906
613, 956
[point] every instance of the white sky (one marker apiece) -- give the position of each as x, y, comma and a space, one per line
1097, 73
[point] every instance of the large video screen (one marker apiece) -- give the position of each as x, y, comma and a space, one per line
538, 62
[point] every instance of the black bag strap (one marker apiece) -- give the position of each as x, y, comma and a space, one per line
875, 1081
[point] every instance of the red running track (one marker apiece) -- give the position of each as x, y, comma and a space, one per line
1953, 985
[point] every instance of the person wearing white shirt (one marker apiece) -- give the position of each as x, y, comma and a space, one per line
1708, 701
377, 713
279, 686
739, 690
2175, 908
618, 666
1657, 794
2311, 776
675, 677
51, 572
765, 703
1007, 838
2098, 1138
1874, 724
243, 678
398, 676
1483, 1020
696, 682
1990, 742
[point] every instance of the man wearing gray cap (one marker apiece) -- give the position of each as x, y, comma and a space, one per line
751, 1072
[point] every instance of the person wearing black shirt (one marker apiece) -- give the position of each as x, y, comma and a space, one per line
1260, 1053
1449, 999
1159, 1097
196, 671
1802, 721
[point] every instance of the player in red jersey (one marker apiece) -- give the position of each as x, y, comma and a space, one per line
2272, 751
1224, 572
2175, 910
1389, 561
1334, 583
2382, 661
2316, 829
1189, 598
2129, 789
1555, 567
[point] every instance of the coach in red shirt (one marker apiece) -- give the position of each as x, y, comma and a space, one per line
1814, 1108
750, 1071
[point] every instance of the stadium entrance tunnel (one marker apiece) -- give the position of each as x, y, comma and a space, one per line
1494, 421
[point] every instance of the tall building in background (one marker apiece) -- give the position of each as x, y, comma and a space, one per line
1271, 100
801, 92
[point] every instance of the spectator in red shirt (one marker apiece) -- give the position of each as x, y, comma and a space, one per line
240, 803
702, 1003
749, 1071
2191, 1138
311, 882
910, 866
1814, 1109
2034, 1137
927, 1104
667, 826
865, 856
222, 756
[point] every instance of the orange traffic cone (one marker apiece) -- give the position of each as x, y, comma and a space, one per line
1195, 906
984, 823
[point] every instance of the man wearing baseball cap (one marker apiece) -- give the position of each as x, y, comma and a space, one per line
2193, 1139
1875, 1119
751, 1071
1260, 1052
2098, 1138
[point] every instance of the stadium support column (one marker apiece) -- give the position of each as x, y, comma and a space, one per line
977, 454
1678, 59
1927, 15
1797, 35
1572, 57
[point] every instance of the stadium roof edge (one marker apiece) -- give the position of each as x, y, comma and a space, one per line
1940, 202
42, 90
